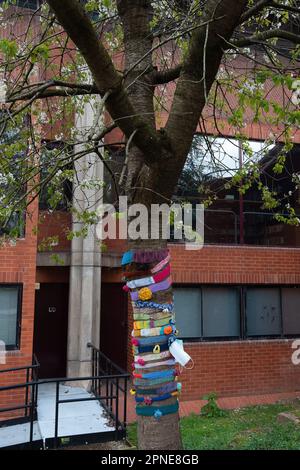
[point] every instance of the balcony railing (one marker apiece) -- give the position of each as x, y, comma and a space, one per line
258, 228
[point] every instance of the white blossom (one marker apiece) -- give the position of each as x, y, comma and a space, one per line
3, 91
43, 118
295, 98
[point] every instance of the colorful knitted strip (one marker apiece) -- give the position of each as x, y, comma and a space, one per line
127, 258
164, 285
152, 357
152, 340
160, 265
140, 325
137, 283
155, 375
151, 316
151, 348
149, 382
149, 304
167, 388
160, 330
149, 400
150, 256
155, 411
169, 362
146, 281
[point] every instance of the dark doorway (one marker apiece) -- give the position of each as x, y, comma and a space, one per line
51, 329
113, 332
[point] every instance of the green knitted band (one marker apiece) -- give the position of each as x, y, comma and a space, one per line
149, 382
157, 410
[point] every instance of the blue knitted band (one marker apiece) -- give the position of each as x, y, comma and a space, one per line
154, 305
148, 340
159, 374
149, 348
155, 411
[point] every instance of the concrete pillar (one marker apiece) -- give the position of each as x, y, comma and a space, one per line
85, 268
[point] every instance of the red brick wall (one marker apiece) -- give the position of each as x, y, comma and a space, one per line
233, 368
18, 265
53, 274
236, 264
55, 224
240, 368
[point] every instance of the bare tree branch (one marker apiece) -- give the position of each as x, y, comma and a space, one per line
256, 8
289, 8
261, 37
159, 77
78, 26
61, 88
190, 94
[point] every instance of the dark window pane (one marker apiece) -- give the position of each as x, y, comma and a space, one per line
221, 312
291, 311
8, 315
188, 311
263, 315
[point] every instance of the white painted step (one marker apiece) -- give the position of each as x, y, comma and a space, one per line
18, 434
75, 418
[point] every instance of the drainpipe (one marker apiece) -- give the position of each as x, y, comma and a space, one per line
241, 197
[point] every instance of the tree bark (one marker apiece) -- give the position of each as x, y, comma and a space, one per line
153, 434
162, 433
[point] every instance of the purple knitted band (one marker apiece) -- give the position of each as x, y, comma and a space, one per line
147, 256
164, 285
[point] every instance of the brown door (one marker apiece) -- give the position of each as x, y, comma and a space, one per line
113, 332
51, 329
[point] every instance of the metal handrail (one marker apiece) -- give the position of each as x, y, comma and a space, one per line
30, 383
113, 387
115, 382
15, 369
122, 371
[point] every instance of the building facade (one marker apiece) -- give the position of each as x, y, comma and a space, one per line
237, 300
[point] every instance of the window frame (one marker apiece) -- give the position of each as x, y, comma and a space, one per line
270, 336
242, 290
28, 4
16, 346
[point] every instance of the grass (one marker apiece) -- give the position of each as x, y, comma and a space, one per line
251, 428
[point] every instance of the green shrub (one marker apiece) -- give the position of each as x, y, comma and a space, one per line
211, 409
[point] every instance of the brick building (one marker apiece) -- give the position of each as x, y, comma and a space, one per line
237, 300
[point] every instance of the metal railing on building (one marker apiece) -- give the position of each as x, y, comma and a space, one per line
108, 386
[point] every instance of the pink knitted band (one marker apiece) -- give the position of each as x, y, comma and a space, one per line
160, 265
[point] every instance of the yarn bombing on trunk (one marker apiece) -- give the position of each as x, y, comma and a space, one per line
148, 278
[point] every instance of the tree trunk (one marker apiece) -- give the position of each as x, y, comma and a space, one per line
161, 433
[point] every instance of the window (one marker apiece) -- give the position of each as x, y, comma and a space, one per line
207, 312
291, 310
263, 312
237, 312
31, 4
221, 312
188, 309
10, 301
